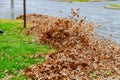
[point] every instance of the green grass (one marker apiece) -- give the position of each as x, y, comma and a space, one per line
81, 0
16, 49
113, 6
76, 0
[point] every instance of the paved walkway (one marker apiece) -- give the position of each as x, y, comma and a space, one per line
95, 11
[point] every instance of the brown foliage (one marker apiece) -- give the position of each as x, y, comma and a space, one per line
82, 55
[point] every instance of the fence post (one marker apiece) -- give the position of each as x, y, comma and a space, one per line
24, 11
12, 9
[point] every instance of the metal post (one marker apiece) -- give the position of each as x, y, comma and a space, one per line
12, 9
24, 10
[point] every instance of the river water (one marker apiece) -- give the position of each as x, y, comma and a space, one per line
109, 19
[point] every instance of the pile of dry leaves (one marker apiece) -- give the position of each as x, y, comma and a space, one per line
82, 55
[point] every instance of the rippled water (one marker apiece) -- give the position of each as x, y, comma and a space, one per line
94, 11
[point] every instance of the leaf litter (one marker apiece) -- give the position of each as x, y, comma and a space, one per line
83, 54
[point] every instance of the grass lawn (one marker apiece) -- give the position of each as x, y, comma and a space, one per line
81, 0
113, 6
76, 0
16, 49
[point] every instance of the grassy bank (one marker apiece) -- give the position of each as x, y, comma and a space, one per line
113, 6
75, 0
81, 0
17, 50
